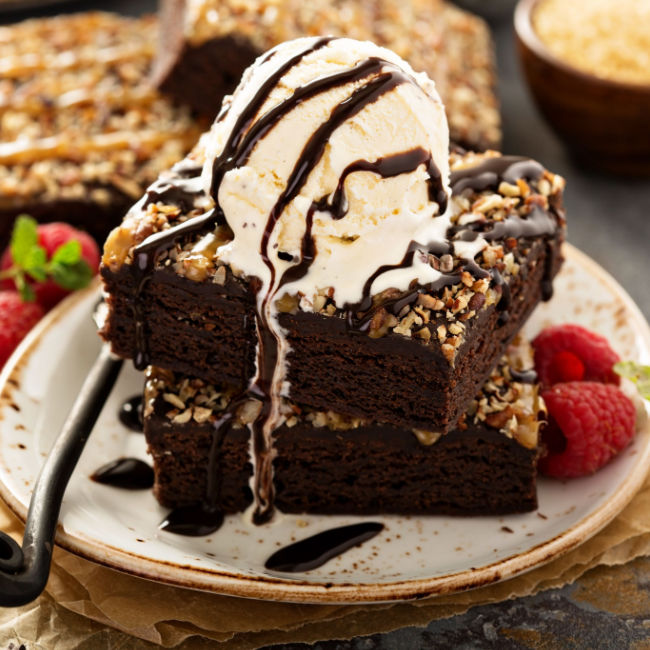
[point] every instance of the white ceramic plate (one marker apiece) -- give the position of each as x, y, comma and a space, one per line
412, 557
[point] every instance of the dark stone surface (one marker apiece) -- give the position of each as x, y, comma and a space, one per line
607, 609
609, 219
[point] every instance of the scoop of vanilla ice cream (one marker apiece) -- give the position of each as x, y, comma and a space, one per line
380, 215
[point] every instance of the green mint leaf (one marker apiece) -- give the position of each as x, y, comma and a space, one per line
35, 263
23, 238
637, 373
68, 253
71, 276
24, 289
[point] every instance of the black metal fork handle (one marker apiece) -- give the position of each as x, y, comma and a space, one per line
24, 572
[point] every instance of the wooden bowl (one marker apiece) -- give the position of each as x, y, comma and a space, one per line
606, 124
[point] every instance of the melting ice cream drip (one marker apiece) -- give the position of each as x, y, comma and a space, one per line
363, 82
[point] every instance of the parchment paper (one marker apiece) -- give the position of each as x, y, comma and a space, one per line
83, 598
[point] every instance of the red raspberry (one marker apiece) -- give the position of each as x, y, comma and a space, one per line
50, 237
589, 423
16, 319
572, 353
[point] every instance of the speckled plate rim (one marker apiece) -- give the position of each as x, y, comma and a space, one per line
298, 591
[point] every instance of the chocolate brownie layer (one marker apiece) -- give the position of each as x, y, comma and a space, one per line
205, 46
83, 131
410, 359
207, 331
474, 472
328, 463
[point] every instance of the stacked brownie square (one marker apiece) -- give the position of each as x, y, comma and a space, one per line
327, 322
418, 405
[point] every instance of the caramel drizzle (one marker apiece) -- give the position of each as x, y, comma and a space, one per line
79, 97
22, 152
14, 67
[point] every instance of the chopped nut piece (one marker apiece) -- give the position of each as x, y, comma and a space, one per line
507, 189
476, 301
319, 302
446, 263
427, 301
220, 276
449, 351
183, 417
201, 414
287, 304
427, 438
249, 411
487, 203
174, 400
424, 334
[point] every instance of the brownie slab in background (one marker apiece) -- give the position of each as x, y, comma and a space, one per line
83, 131
486, 466
412, 359
205, 46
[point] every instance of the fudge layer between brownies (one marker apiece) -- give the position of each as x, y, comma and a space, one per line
83, 131
321, 246
206, 45
331, 464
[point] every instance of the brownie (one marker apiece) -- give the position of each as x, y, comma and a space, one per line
205, 46
411, 359
83, 131
329, 464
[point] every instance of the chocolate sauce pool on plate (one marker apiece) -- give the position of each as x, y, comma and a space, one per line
125, 473
193, 521
313, 552
130, 413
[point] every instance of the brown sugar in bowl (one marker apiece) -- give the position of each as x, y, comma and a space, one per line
605, 123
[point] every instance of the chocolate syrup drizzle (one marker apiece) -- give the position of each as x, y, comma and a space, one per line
491, 172
387, 167
130, 413
528, 376
243, 138
146, 253
268, 339
181, 190
314, 551
125, 473
176, 191
487, 174
197, 520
